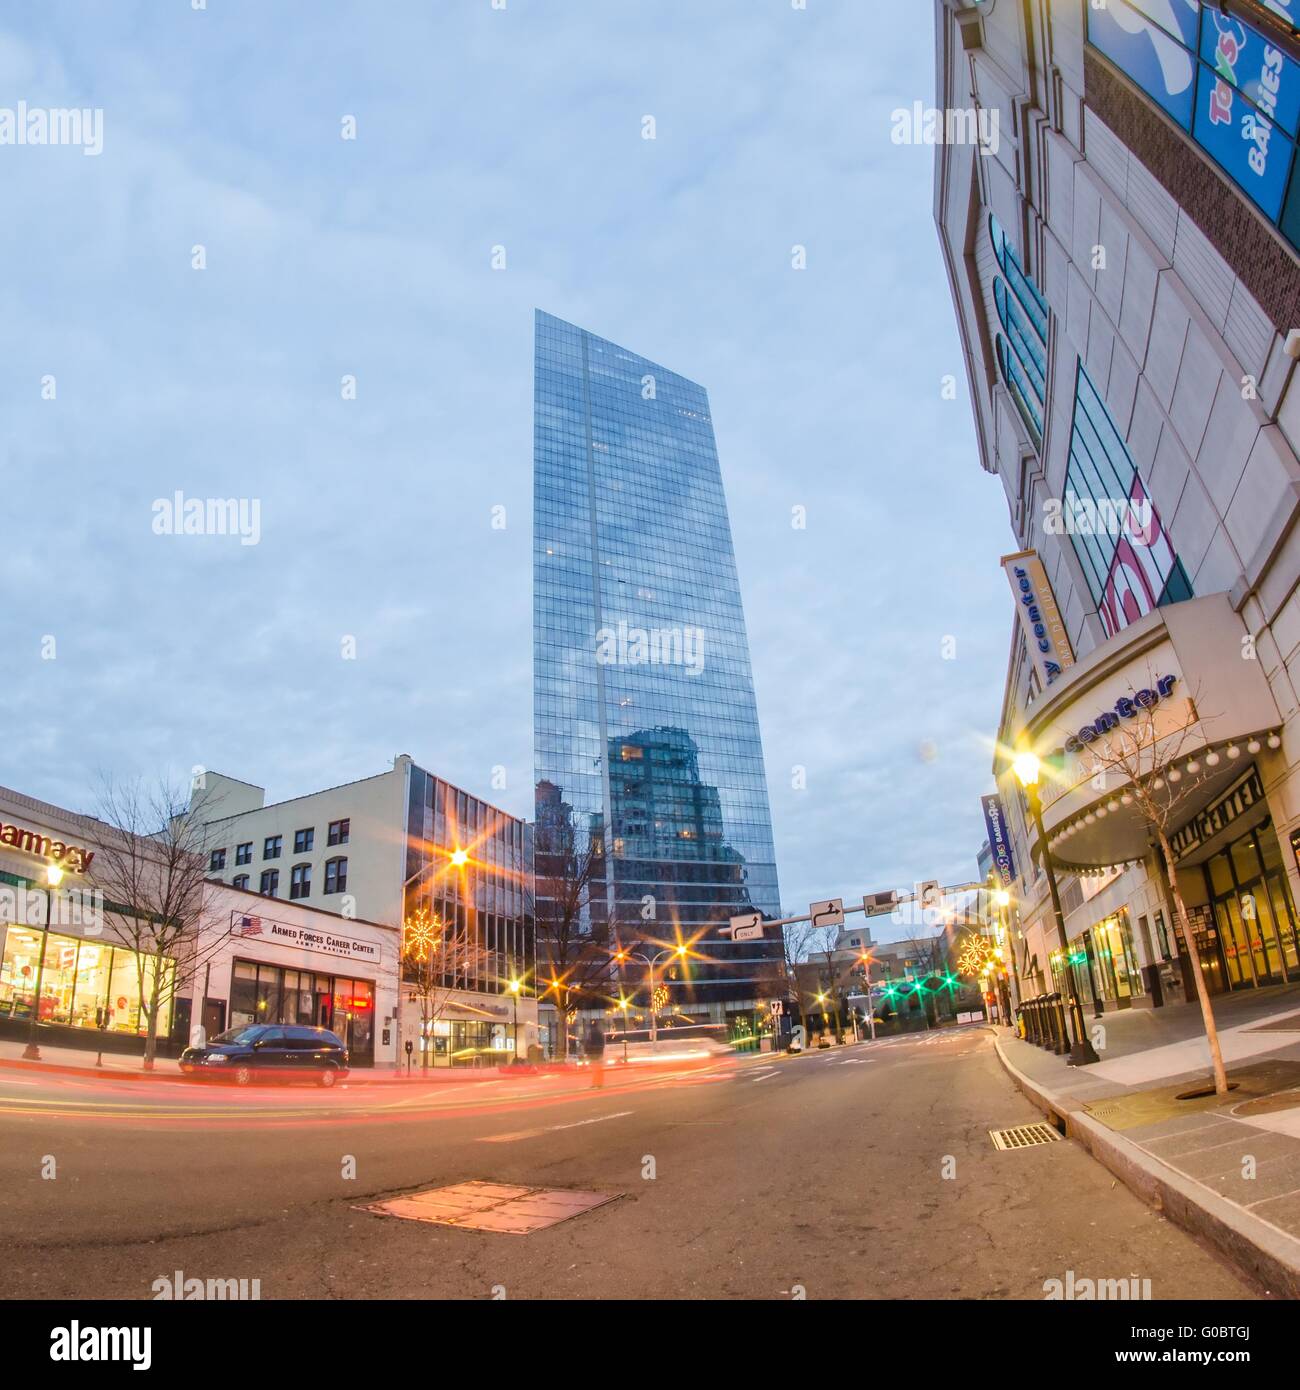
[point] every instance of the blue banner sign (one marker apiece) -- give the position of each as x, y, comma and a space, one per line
1158, 63
1250, 63
995, 822
1245, 144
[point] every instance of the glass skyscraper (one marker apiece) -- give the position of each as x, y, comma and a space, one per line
647, 739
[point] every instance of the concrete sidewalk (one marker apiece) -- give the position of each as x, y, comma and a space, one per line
1225, 1168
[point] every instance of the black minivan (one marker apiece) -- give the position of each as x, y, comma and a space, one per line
269, 1052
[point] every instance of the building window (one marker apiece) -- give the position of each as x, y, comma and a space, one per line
336, 875
272, 846
339, 831
217, 860
1113, 525
270, 884
303, 840
239, 881
1022, 344
300, 881
1219, 78
244, 853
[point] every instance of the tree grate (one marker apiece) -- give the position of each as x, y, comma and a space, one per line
1023, 1136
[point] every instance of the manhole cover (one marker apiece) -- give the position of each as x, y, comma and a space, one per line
1023, 1136
492, 1206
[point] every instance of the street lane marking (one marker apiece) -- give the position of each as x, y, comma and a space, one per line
548, 1129
768, 1077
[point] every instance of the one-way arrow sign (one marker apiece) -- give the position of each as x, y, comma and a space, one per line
827, 914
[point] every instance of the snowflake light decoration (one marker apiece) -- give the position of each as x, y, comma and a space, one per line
421, 935
975, 956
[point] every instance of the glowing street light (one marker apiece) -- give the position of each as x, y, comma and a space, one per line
514, 986
622, 956
53, 877
460, 858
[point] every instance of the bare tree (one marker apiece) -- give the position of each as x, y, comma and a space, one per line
797, 942
573, 944
151, 865
1147, 760
438, 958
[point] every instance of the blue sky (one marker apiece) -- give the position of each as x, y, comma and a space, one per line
479, 128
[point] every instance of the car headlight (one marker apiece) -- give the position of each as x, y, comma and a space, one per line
213, 1057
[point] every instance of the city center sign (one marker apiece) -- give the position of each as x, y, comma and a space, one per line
1125, 708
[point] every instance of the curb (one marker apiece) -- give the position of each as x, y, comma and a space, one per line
1261, 1251
68, 1069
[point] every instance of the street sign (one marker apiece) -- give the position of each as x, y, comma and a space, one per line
749, 922
878, 904
827, 914
775, 1006
747, 934
927, 893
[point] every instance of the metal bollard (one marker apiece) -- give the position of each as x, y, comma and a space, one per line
1058, 1025
1063, 1025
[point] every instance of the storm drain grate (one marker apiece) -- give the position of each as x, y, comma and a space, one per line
1023, 1136
492, 1206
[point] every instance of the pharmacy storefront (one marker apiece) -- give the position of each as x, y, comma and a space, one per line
1176, 686
59, 961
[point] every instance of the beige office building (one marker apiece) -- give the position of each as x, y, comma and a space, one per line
1127, 285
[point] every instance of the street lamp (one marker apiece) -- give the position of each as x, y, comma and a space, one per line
1027, 767
623, 1003
515, 986
871, 1008
621, 955
53, 877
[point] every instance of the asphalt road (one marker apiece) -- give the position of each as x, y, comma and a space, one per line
862, 1172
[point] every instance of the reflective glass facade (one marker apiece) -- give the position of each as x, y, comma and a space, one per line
483, 901
646, 726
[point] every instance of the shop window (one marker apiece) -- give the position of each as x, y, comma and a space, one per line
300, 881
1114, 528
85, 984
244, 853
336, 875
272, 846
217, 860
269, 887
303, 840
339, 831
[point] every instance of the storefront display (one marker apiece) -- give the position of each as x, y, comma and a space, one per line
1254, 918
1108, 947
85, 984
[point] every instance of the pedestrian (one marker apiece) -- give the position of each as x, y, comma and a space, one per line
595, 1050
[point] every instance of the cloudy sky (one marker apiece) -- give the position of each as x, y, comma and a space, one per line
479, 127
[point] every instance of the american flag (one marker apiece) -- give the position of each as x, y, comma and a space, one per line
249, 926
